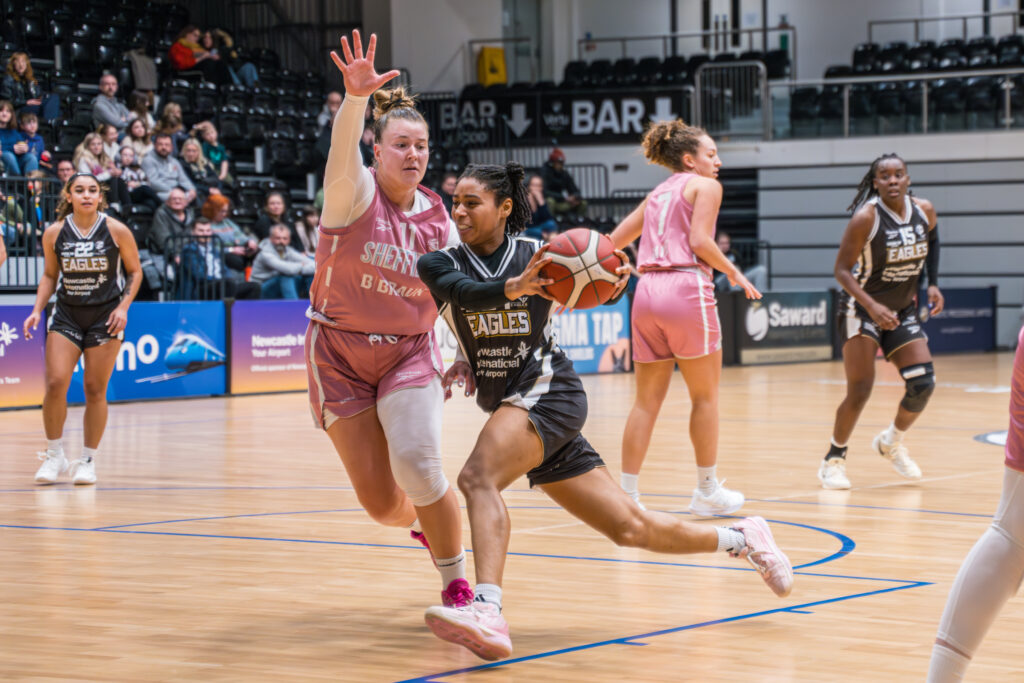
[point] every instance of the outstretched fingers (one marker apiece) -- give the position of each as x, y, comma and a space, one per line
346, 51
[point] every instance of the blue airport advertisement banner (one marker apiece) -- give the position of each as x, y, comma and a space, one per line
170, 350
596, 340
967, 322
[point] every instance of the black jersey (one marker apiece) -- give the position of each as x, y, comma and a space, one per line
509, 344
889, 266
91, 273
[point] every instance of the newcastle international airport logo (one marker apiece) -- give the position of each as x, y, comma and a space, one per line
7, 336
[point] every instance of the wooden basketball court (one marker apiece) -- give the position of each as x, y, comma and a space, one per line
223, 543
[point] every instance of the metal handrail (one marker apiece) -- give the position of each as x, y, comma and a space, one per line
917, 21
665, 37
762, 90
470, 44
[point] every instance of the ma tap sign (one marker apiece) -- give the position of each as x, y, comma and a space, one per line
170, 350
22, 361
267, 342
785, 327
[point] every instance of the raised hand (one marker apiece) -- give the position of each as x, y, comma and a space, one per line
361, 78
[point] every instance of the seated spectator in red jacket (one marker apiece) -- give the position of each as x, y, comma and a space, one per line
188, 55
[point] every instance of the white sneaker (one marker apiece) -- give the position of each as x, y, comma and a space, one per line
832, 474
722, 501
53, 465
83, 472
897, 454
636, 499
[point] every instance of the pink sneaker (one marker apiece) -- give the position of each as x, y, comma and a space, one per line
457, 594
478, 626
421, 537
768, 560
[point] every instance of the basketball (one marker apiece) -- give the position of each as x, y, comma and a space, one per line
583, 264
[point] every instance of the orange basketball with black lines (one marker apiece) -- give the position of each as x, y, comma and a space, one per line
583, 264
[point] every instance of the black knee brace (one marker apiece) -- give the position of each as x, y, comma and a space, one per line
920, 381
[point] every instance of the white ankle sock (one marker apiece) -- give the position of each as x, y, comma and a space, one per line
706, 481
89, 453
946, 665
452, 568
630, 484
893, 435
837, 445
730, 540
55, 445
488, 592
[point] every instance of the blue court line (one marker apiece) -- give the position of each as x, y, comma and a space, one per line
630, 640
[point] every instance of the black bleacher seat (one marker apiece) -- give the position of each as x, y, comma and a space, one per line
673, 70
804, 112
982, 45
695, 62
269, 79
312, 102
82, 60
647, 70
307, 124
891, 108
261, 97
314, 81
863, 109
839, 71
778, 64
946, 97
179, 91
543, 86
265, 58
951, 47
250, 194
520, 87
725, 57
752, 56
624, 72
305, 153
107, 56
60, 26
258, 124
983, 61
281, 154
32, 28
204, 100
80, 109
864, 56
286, 123
237, 95
62, 83
289, 101
470, 91
600, 74
1013, 43
951, 62
231, 126
575, 74
982, 100
68, 133
245, 216
496, 89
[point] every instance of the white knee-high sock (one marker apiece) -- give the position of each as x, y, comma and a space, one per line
946, 666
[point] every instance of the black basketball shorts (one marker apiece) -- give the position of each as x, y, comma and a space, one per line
860, 323
85, 326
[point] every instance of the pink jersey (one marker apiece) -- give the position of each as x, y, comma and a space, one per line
366, 278
1015, 435
665, 241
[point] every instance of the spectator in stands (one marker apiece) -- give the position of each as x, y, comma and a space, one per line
757, 274
138, 138
240, 247
366, 146
559, 187
138, 108
541, 220
215, 152
199, 170
171, 123
65, 169
21, 88
173, 218
203, 268
307, 228
219, 42
38, 199
12, 219
3, 252
165, 172
283, 272
106, 108
187, 54
135, 178
90, 158
330, 109
109, 136
447, 189
28, 123
273, 211
14, 150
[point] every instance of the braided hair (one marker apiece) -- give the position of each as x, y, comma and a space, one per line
506, 182
866, 189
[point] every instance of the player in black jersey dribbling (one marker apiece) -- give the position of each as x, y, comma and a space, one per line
888, 241
92, 263
490, 292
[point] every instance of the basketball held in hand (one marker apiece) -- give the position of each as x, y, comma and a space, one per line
583, 265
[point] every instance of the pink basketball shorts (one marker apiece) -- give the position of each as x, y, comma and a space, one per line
349, 372
675, 316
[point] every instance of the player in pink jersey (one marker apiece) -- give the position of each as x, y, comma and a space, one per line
992, 572
675, 317
372, 360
